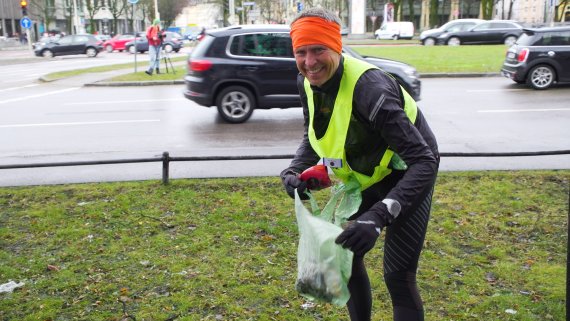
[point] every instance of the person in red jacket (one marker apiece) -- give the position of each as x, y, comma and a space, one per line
154, 46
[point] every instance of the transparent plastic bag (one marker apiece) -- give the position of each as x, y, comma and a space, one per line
324, 267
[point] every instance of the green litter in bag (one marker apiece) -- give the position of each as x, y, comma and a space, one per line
324, 267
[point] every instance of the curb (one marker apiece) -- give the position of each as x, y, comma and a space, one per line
104, 83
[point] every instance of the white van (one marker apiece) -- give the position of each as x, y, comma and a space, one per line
395, 30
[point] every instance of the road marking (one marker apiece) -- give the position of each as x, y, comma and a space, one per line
38, 95
125, 101
16, 88
495, 90
523, 110
20, 79
82, 123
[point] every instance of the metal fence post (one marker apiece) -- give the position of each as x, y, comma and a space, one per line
165, 167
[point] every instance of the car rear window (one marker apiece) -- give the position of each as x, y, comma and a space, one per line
262, 45
553, 38
203, 46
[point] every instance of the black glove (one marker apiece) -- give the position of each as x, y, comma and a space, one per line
362, 233
291, 181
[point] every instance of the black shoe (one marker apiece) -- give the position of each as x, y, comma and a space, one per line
148, 72
157, 71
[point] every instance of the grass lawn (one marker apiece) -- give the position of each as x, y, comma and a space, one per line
430, 59
443, 59
225, 249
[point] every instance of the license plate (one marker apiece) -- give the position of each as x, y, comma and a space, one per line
511, 55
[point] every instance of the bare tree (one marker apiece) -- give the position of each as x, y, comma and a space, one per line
169, 10
117, 8
44, 10
93, 6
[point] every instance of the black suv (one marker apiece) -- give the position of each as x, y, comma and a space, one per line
540, 57
242, 68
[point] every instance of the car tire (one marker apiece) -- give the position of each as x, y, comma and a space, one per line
541, 77
131, 49
47, 53
235, 104
168, 48
109, 48
510, 40
429, 42
91, 52
454, 41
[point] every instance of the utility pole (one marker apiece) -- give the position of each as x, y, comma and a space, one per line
75, 18
156, 14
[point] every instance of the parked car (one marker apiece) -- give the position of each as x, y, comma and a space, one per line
44, 40
395, 30
71, 45
172, 41
103, 37
539, 58
118, 42
242, 68
488, 32
429, 37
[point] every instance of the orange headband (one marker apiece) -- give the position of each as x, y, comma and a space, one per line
314, 30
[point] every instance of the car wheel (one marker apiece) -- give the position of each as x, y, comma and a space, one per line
91, 52
109, 48
510, 40
47, 53
429, 42
453, 41
131, 49
395, 37
235, 104
541, 77
168, 48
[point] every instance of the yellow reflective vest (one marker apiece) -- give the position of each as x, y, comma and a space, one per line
331, 145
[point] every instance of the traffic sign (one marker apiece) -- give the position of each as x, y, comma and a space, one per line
133, 1
26, 22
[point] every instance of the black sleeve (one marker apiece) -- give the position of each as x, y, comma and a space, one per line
379, 101
305, 156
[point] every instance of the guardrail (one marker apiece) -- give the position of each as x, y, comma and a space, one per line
166, 159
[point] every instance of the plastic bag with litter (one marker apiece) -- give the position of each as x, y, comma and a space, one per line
324, 267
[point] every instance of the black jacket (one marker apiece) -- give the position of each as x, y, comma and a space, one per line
378, 121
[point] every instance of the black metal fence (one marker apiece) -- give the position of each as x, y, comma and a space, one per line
166, 159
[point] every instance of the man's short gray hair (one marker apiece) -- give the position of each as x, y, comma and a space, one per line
320, 13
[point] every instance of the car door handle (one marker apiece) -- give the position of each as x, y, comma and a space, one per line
251, 68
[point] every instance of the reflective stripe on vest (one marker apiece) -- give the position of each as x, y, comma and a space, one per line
331, 145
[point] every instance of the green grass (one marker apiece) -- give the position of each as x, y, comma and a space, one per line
142, 64
443, 59
431, 59
209, 249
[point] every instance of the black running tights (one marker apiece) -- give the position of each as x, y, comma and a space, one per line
403, 244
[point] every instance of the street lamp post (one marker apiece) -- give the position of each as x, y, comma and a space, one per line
75, 17
156, 14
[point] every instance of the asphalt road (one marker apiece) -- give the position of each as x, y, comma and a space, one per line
64, 121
